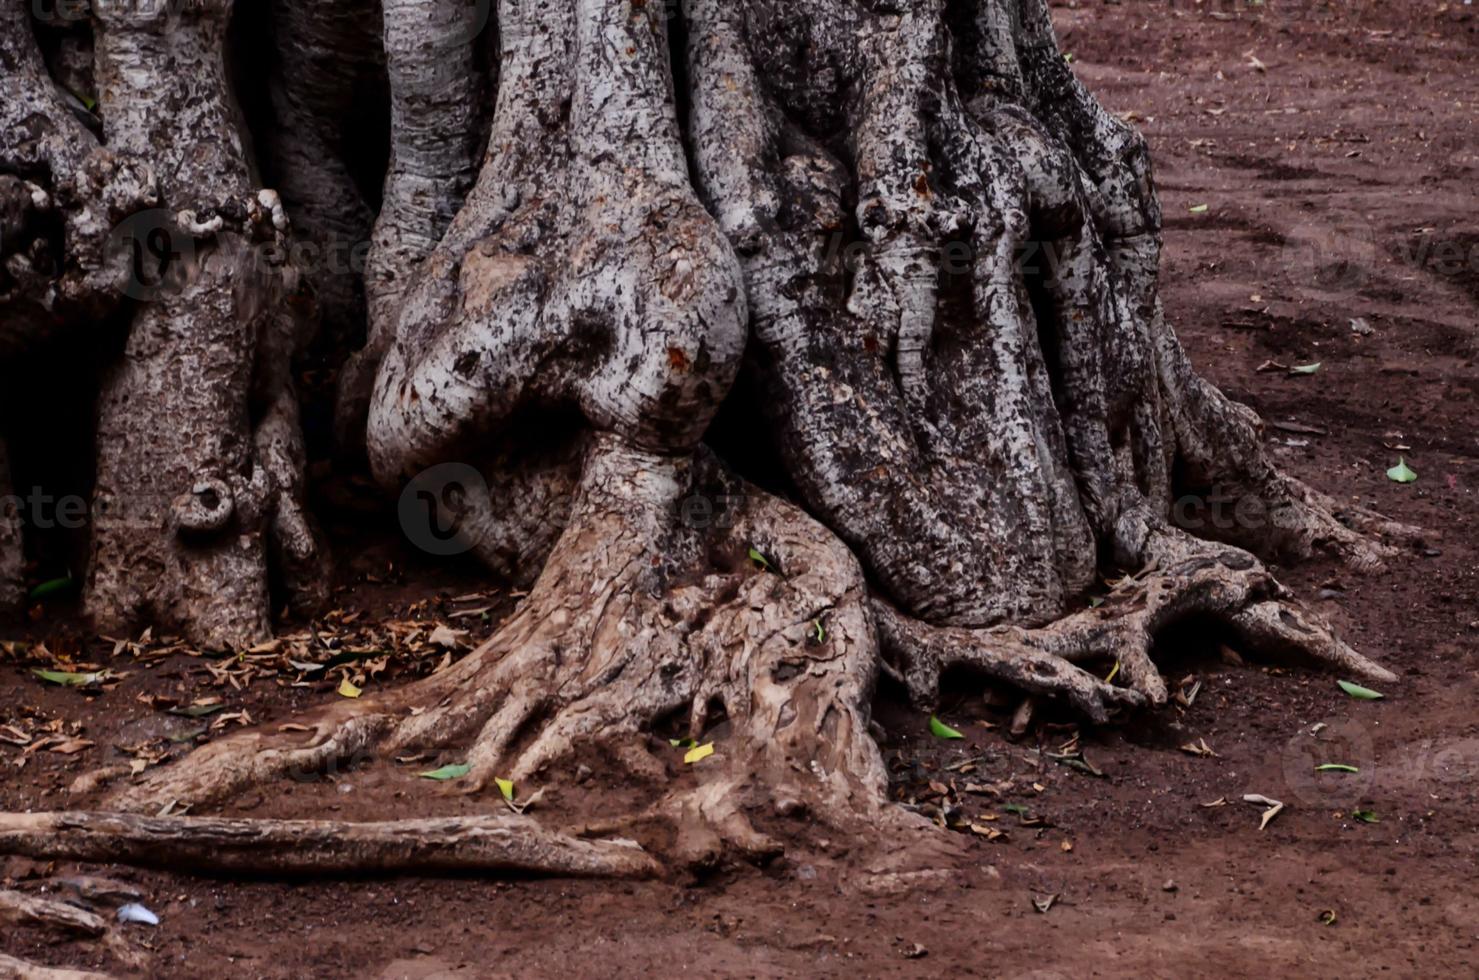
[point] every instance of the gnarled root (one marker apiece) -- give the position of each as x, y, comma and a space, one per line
638, 615
1183, 578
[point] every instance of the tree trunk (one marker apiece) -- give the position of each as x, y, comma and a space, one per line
833, 200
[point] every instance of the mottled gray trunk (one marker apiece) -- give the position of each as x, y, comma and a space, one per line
832, 197
199, 464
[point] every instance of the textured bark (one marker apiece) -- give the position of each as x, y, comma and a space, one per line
20, 909
14, 969
316, 847
833, 198
199, 453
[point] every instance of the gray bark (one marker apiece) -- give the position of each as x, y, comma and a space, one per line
831, 198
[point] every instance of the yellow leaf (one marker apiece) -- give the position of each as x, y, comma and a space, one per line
506, 787
699, 753
348, 690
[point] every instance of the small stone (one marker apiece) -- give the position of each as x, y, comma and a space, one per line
915, 952
1169, 886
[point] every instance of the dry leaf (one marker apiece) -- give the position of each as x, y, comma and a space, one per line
447, 638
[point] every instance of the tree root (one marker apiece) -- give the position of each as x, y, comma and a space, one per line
16, 969
631, 622
1183, 578
311, 847
20, 909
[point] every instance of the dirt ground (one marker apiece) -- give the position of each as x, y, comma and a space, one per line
1335, 147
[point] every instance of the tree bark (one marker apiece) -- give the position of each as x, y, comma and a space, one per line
597, 216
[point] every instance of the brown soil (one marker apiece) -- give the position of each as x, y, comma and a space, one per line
1339, 182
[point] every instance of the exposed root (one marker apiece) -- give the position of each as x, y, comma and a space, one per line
315, 847
1183, 578
636, 617
20, 909
16, 969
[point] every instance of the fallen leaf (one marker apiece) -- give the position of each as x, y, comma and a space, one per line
1199, 748
506, 787
1336, 767
52, 587
698, 753
448, 638
197, 710
455, 770
348, 690
1401, 473
1307, 368
759, 559
68, 678
1044, 904
990, 833
941, 730
1360, 693
1366, 816
1198, 208
1275, 807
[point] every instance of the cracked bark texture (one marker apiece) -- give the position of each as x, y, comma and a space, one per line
833, 198
199, 460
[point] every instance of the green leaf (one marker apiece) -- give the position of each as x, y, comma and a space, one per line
455, 770
1016, 808
818, 631
1306, 368
505, 786
1401, 473
1366, 816
1360, 693
759, 559
68, 678
682, 743
941, 730
1199, 208
1336, 767
53, 587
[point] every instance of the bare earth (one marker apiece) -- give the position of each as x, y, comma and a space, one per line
1337, 154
